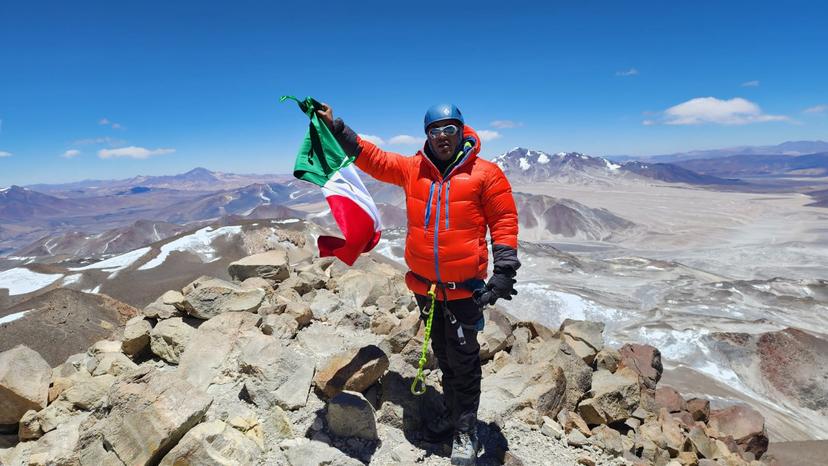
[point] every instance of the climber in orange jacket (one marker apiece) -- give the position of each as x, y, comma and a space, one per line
452, 198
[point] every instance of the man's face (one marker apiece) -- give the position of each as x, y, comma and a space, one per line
442, 145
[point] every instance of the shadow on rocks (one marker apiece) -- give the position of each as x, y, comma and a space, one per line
410, 412
357, 448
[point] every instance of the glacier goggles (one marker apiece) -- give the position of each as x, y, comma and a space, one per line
448, 130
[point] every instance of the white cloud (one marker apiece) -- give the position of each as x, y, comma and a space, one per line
110, 123
71, 153
404, 139
629, 72
754, 83
132, 152
373, 139
816, 109
648, 122
701, 110
104, 140
504, 124
5, 154
488, 135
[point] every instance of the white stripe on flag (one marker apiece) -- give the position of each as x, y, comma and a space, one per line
346, 182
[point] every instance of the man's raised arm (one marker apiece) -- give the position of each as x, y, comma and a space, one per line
385, 166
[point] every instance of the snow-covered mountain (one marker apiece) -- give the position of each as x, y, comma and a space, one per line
528, 166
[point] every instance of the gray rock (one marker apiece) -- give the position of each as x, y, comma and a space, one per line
496, 334
215, 345
551, 428
614, 396
209, 297
515, 386
169, 339
158, 309
24, 383
58, 447
351, 415
354, 370
274, 374
303, 452
577, 373
323, 304
607, 359
136, 336
88, 393
280, 326
213, 443
149, 413
271, 265
29, 428
115, 363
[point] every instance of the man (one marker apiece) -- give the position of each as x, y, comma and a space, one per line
452, 198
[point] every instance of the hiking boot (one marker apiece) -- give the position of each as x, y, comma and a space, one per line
439, 428
464, 448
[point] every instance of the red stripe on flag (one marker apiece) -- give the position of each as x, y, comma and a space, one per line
357, 227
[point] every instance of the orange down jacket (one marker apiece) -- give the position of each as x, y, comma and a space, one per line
447, 217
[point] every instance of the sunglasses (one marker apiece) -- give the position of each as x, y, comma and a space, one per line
449, 130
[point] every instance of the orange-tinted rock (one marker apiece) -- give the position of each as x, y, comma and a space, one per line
699, 409
745, 425
670, 399
644, 360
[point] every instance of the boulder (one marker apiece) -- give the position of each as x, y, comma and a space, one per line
275, 375
607, 359
136, 336
577, 373
614, 396
351, 415
114, 363
258, 282
169, 339
607, 439
88, 393
703, 445
496, 334
29, 428
744, 424
57, 447
515, 386
670, 399
404, 332
302, 452
353, 370
270, 265
645, 360
209, 297
24, 383
247, 422
160, 309
280, 326
551, 428
586, 338
382, 323
324, 303
213, 346
213, 443
699, 409
149, 412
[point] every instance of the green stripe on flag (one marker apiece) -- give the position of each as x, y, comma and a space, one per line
320, 155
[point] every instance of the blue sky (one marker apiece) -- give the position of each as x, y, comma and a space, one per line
116, 89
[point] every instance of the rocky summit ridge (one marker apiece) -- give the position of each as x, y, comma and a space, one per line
307, 361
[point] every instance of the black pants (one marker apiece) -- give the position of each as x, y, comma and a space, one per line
460, 364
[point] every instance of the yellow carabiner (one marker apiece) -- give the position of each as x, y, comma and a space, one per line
426, 338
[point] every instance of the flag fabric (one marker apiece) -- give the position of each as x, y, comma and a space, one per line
323, 162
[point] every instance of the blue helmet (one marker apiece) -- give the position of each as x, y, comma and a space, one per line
442, 112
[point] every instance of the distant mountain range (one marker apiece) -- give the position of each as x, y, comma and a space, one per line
197, 179
529, 166
786, 148
761, 165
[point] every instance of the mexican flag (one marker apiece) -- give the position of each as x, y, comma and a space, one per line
323, 162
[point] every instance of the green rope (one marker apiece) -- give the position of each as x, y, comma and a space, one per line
426, 337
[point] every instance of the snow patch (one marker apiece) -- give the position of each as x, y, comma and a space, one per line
198, 243
287, 220
70, 279
13, 317
612, 166
22, 281
524, 164
543, 158
117, 263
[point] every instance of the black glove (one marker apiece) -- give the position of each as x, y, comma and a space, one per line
501, 285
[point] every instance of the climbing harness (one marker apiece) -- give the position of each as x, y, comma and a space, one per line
426, 337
